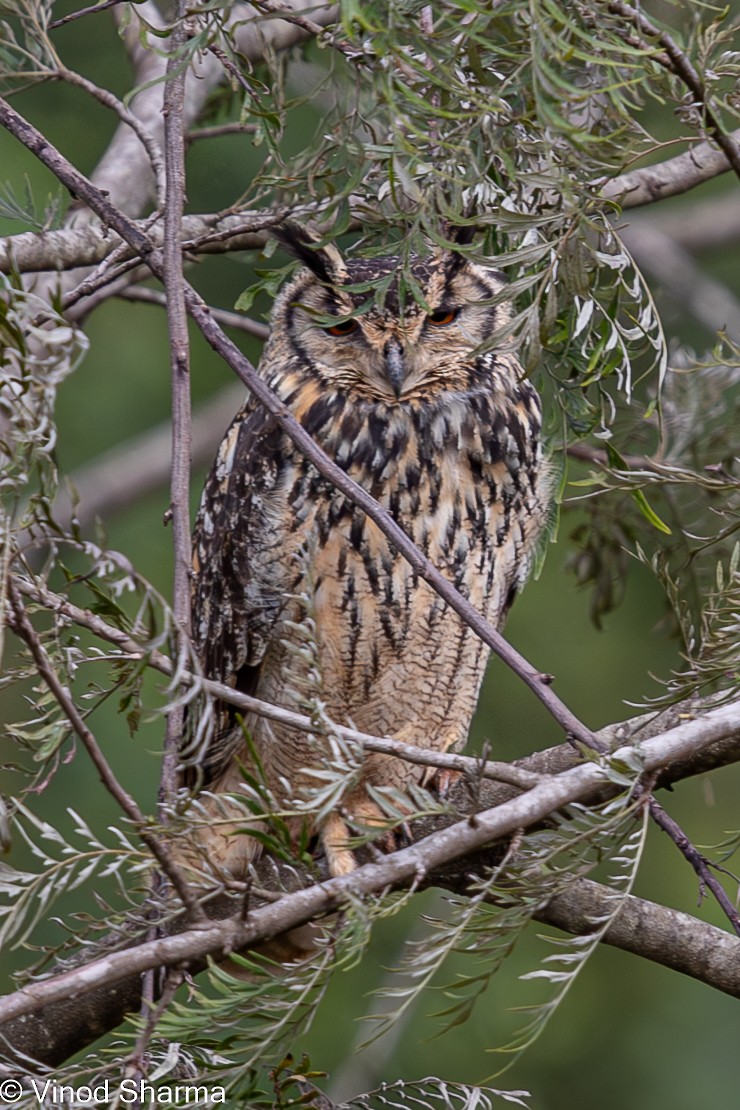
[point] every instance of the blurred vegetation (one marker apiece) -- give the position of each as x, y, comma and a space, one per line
600, 617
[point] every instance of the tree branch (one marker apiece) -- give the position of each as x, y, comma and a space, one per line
73, 180
699, 862
680, 64
82, 12
676, 940
78, 247
22, 626
421, 863
665, 936
177, 323
670, 178
127, 117
671, 938
73, 248
425, 757
223, 316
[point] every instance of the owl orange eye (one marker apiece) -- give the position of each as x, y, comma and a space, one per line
442, 317
345, 328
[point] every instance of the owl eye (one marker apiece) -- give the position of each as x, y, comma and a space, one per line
345, 328
442, 317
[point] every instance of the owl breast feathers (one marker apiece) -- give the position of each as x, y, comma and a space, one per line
447, 439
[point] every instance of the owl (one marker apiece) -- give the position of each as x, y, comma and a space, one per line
407, 396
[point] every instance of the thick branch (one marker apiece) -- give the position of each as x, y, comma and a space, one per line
74, 247
665, 936
670, 178
411, 866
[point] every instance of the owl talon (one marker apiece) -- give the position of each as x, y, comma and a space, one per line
442, 782
401, 836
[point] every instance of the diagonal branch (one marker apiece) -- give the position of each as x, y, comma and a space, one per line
127, 117
425, 757
699, 862
82, 12
73, 180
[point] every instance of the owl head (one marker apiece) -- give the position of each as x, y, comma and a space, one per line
423, 334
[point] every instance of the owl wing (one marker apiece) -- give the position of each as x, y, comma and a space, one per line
240, 530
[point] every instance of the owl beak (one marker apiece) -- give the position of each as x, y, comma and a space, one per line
395, 367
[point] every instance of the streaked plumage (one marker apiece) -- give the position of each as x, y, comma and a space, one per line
447, 440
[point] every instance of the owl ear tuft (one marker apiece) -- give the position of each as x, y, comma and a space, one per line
324, 261
461, 235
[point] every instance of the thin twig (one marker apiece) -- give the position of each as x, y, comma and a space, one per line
22, 626
700, 864
228, 319
307, 25
84, 11
233, 70
145, 137
109, 284
177, 323
215, 132
489, 769
72, 179
151, 1013
100, 285
643, 469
